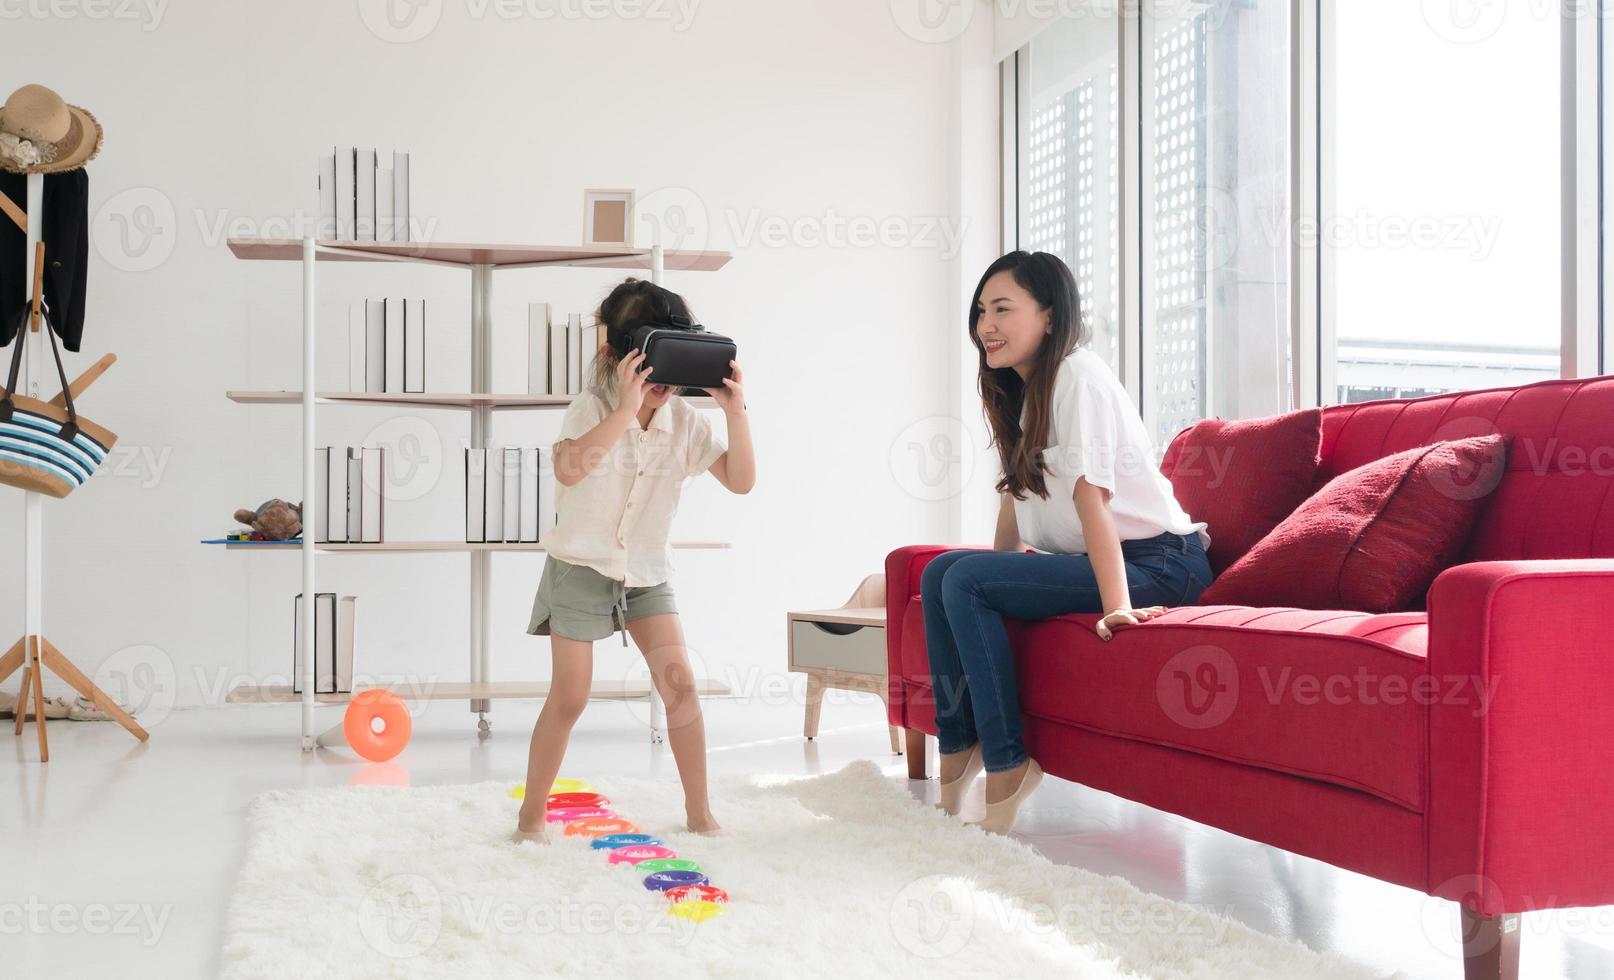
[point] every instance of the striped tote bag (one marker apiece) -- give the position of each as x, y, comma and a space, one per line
44, 447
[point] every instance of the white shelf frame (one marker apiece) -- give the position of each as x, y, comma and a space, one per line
480, 402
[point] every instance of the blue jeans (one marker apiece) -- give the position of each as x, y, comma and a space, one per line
968, 594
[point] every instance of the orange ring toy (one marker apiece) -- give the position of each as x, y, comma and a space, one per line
598, 826
377, 724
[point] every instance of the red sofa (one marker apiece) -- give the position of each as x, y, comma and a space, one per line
1462, 751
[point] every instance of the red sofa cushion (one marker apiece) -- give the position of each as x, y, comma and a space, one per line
1339, 697
1243, 478
1375, 537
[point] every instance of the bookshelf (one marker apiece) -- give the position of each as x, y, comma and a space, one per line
481, 260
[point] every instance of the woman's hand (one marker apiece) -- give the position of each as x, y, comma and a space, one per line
1129, 617
730, 397
630, 383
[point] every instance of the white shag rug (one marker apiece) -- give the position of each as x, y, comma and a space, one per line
840, 875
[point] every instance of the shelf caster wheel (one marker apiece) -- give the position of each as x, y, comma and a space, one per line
484, 729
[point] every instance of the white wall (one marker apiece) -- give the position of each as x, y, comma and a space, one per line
787, 114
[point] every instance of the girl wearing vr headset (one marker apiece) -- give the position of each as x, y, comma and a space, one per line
626, 447
1080, 486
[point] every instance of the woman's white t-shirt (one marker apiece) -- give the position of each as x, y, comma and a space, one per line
1096, 432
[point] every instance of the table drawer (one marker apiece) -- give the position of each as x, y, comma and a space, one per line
861, 651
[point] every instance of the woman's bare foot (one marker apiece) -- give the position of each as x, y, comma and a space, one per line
1002, 785
952, 766
702, 822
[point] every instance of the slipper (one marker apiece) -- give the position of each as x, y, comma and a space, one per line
83, 709
8, 704
54, 708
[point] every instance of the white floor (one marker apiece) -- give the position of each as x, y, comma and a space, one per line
127, 853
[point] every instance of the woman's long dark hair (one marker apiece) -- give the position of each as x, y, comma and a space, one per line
1003, 393
630, 300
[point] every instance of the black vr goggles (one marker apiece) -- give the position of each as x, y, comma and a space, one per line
678, 351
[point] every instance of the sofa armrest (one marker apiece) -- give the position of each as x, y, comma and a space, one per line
902, 570
1521, 806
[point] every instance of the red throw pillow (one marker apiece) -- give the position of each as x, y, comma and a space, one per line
1242, 478
1374, 538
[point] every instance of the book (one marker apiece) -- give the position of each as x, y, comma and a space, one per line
355, 347
374, 470
546, 505
355, 500
364, 194
345, 195
327, 197
591, 350
475, 495
394, 318
512, 494
375, 345
347, 628
557, 358
324, 660
574, 353
386, 228
333, 505
400, 197
538, 315
493, 497
414, 345
531, 491
322, 493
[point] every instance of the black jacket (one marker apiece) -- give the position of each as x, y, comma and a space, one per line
66, 234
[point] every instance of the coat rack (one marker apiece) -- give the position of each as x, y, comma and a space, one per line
33, 653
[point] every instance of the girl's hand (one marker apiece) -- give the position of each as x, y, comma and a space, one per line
1130, 617
730, 397
630, 383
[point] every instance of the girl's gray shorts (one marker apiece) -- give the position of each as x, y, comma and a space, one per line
579, 603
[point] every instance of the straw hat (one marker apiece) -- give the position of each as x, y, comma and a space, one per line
39, 133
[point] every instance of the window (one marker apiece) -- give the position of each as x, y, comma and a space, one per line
1070, 196
1440, 197
1215, 102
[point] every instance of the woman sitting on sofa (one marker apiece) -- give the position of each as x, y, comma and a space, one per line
1080, 486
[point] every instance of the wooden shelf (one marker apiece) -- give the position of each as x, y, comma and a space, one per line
607, 690
413, 399
417, 547
849, 616
469, 254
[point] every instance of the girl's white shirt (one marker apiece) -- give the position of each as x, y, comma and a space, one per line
1096, 432
617, 519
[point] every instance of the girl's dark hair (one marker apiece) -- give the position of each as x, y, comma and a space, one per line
632, 299
1004, 393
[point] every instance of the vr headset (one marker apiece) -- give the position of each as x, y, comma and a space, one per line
678, 351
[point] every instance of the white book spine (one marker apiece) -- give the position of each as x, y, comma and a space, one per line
334, 514
546, 502
327, 197
400, 197
345, 195
591, 349
322, 488
347, 629
538, 348
512, 494
364, 194
375, 345
493, 496
374, 493
355, 347
531, 492
324, 643
386, 227
575, 354
355, 499
557, 358
475, 495
414, 345
394, 317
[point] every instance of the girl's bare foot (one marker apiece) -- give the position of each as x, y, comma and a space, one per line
702, 822
532, 819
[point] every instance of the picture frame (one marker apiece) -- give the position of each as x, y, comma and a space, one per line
608, 217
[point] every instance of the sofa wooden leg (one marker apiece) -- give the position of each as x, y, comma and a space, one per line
1490, 946
918, 754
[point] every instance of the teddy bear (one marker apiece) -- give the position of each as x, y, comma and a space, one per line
274, 520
